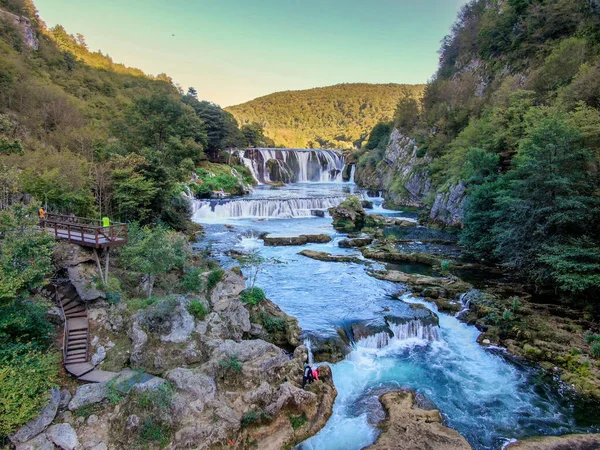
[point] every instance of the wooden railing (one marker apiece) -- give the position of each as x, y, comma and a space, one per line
85, 231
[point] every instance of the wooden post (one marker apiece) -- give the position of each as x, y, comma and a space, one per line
98, 263
106, 264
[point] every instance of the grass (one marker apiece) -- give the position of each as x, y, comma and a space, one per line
272, 324
231, 364
254, 417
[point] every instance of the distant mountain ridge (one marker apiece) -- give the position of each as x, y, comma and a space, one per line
339, 116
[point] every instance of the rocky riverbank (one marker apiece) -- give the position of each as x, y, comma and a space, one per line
198, 369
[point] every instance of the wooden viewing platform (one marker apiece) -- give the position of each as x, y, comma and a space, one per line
85, 232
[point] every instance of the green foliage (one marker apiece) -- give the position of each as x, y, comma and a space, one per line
445, 265
339, 116
252, 296
158, 398
197, 309
298, 421
25, 253
214, 277
255, 417
24, 384
231, 365
153, 251
113, 394
191, 280
272, 324
591, 338
595, 349
253, 262
24, 328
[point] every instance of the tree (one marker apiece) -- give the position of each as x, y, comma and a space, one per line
25, 253
153, 251
191, 92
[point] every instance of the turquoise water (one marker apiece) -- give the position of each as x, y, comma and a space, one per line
487, 396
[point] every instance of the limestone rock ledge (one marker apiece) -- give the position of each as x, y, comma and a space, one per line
569, 441
409, 428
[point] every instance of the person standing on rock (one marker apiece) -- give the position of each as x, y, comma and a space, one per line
307, 377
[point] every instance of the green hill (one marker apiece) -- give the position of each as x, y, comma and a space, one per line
339, 116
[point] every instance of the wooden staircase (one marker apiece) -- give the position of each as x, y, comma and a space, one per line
76, 336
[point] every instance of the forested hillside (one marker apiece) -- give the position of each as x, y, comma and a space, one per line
507, 139
84, 135
339, 116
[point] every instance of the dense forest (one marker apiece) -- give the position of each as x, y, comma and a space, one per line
513, 114
84, 135
339, 116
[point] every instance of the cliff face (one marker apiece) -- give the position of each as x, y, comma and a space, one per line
405, 179
23, 24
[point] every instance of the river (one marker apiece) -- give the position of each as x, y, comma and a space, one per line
483, 393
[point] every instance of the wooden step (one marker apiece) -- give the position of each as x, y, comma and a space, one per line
81, 340
79, 359
72, 306
79, 369
76, 352
77, 323
76, 346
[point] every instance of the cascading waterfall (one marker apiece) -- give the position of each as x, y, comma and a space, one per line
261, 208
352, 172
308, 345
465, 300
411, 329
270, 165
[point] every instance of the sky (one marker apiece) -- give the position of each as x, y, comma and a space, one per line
232, 51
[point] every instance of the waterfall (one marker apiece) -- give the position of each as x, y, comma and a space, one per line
411, 329
465, 300
270, 165
261, 208
308, 345
352, 171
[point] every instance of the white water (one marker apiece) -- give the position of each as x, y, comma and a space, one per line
294, 165
280, 208
480, 393
412, 329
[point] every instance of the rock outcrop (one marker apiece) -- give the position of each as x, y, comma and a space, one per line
407, 427
324, 256
24, 26
569, 441
40, 423
449, 207
296, 240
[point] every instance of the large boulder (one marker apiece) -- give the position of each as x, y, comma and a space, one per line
569, 441
362, 241
88, 394
83, 277
407, 427
63, 436
324, 256
273, 241
349, 215
274, 325
38, 424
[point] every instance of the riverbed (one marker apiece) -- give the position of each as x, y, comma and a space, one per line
483, 393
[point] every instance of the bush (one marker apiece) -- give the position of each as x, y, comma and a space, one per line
298, 421
191, 281
595, 349
158, 398
591, 338
23, 328
255, 417
214, 277
231, 365
157, 318
252, 296
24, 384
197, 309
272, 324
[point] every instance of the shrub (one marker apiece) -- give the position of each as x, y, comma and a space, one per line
24, 384
445, 265
595, 349
255, 417
214, 277
591, 338
252, 296
113, 394
191, 281
24, 327
298, 421
158, 398
197, 309
231, 365
137, 304
272, 324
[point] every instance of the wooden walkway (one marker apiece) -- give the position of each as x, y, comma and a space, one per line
84, 231
76, 337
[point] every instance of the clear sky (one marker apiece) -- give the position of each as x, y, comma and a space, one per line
232, 51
